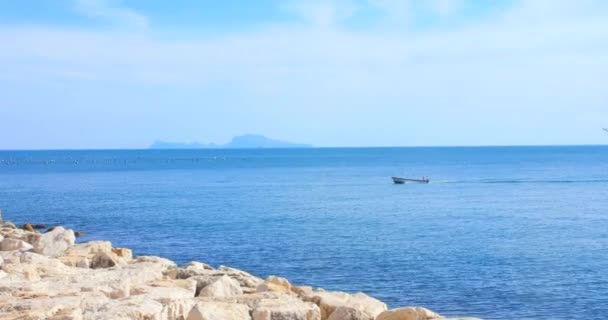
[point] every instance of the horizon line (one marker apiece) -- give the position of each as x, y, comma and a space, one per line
318, 147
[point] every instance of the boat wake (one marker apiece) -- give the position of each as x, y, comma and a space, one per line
522, 181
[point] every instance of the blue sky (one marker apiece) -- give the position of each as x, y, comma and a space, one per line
121, 74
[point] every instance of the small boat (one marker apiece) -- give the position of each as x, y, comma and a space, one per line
398, 180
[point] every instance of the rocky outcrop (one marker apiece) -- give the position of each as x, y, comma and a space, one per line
47, 276
211, 310
355, 304
223, 286
411, 313
54, 243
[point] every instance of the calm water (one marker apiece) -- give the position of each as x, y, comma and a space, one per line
499, 233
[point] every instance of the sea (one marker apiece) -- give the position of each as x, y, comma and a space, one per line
498, 233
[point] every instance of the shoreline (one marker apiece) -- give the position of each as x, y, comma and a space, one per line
48, 276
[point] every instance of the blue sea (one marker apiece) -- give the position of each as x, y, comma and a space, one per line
499, 233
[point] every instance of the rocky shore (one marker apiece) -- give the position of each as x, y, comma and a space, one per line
45, 275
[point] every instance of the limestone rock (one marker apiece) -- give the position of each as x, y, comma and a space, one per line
209, 310
191, 269
124, 253
81, 255
11, 244
328, 302
28, 227
89, 249
348, 313
106, 260
165, 263
409, 313
176, 296
55, 242
38, 307
205, 275
9, 224
286, 307
302, 291
224, 286
128, 309
273, 283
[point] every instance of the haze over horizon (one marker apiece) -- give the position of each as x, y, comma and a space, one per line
93, 74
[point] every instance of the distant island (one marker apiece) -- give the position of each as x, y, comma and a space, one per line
248, 141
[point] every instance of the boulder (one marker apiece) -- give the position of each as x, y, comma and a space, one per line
11, 244
54, 243
46, 266
11, 257
328, 302
273, 283
106, 260
224, 286
42, 308
409, 313
28, 227
124, 253
128, 309
191, 269
79, 234
302, 291
38, 226
348, 313
210, 310
285, 307
89, 249
176, 296
205, 275
247, 281
165, 263
9, 224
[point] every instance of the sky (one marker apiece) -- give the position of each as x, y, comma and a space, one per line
122, 74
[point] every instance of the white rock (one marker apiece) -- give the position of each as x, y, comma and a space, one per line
38, 307
176, 296
224, 286
219, 311
89, 249
191, 269
54, 243
165, 263
328, 302
123, 253
273, 283
128, 309
285, 307
348, 313
409, 313
11, 244
81, 255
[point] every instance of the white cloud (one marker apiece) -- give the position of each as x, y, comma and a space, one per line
111, 11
